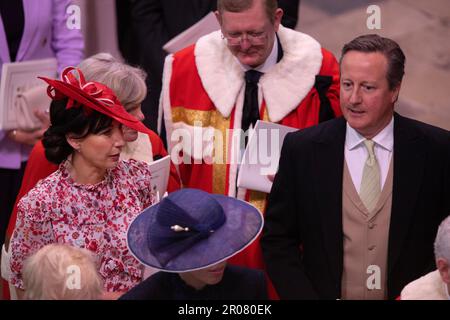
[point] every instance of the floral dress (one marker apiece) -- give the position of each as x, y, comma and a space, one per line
95, 217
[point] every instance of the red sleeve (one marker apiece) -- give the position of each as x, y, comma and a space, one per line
330, 67
158, 149
38, 167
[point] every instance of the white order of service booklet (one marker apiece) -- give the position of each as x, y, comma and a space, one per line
262, 155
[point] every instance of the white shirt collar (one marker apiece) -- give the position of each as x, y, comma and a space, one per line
385, 138
269, 63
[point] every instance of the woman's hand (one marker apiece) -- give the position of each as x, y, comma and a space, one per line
32, 136
26, 137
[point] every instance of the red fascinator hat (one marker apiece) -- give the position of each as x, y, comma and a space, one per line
91, 96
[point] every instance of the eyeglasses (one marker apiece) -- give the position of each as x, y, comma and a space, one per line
255, 38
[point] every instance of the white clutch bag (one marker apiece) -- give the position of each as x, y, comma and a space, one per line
27, 102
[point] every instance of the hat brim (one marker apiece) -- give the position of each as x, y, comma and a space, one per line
118, 114
243, 225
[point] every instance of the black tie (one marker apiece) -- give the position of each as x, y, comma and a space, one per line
250, 114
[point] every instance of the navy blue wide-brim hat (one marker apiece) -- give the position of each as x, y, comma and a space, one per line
191, 229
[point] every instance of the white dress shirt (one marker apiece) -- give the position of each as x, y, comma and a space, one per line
356, 153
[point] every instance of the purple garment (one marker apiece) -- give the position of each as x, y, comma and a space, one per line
45, 35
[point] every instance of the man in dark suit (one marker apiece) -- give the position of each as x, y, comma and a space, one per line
155, 22
357, 201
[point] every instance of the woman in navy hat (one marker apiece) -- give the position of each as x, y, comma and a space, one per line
189, 235
93, 196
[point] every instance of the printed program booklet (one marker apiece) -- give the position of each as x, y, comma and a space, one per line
262, 155
203, 27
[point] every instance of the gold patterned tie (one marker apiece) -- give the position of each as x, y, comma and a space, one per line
370, 184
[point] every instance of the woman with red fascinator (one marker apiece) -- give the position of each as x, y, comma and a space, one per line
93, 196
128, 83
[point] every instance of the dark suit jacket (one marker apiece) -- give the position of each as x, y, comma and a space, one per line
238, 283
305, 208
154, 23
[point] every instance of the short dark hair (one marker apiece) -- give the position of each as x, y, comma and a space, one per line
242, 5
389, 48
75, 121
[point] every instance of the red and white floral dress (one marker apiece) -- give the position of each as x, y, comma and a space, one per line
95, 217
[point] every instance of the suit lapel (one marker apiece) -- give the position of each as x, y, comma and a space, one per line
409, 161
328, 171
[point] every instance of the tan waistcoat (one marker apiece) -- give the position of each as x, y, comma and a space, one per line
365, 244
